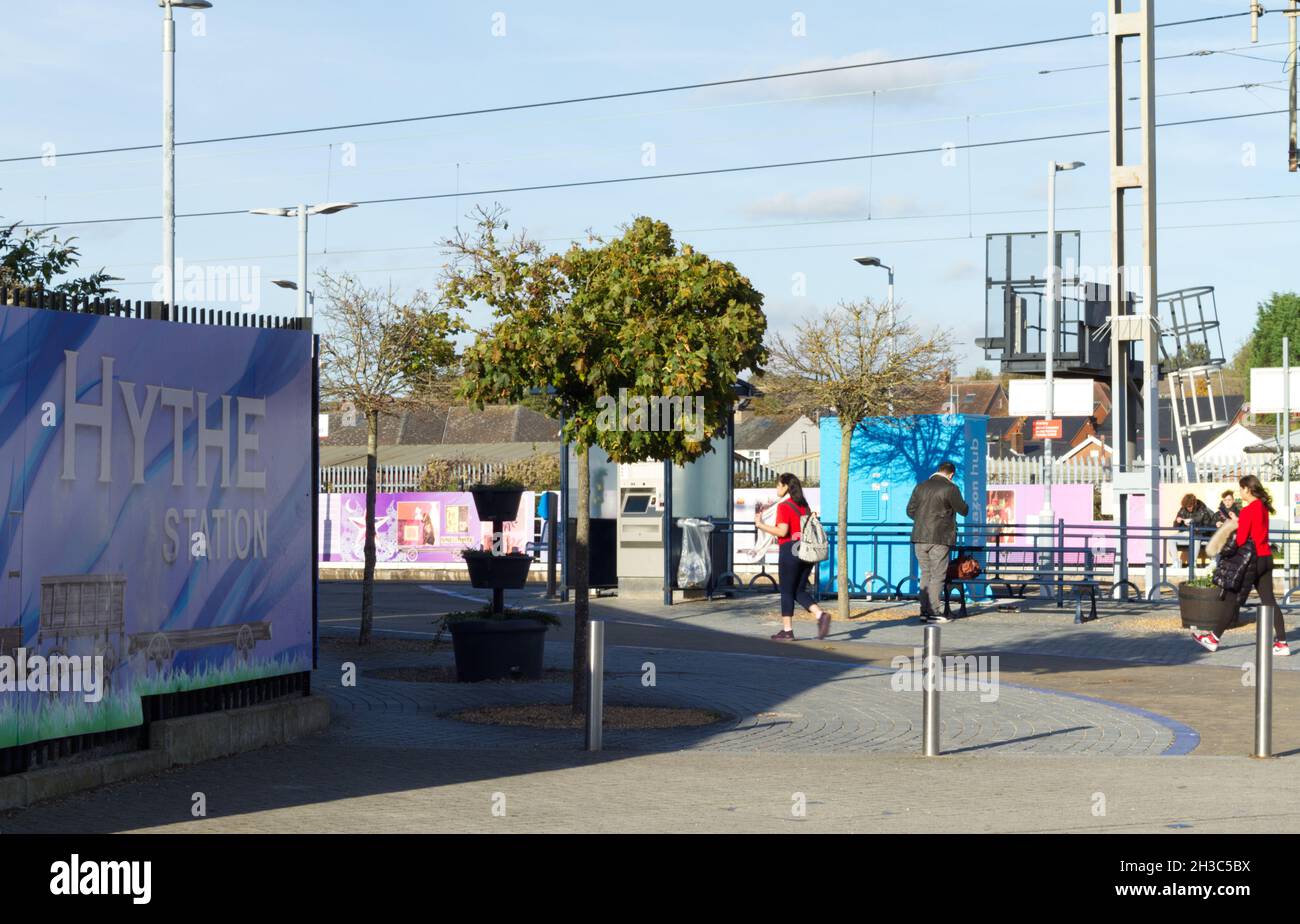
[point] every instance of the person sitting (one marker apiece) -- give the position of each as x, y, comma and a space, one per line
1193, 512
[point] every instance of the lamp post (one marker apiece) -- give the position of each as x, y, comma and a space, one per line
169, 141
1049, 325
301, 212
875, 261
293, 286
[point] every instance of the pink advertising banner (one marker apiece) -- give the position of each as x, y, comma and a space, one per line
424, 527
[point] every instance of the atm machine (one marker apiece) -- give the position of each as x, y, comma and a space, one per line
640, 529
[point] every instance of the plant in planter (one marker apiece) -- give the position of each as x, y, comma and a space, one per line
498, 645
491, 644
1200, 606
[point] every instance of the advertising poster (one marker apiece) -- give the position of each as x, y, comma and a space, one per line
428, 527
157, 534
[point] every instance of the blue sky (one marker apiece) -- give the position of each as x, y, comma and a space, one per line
86, 75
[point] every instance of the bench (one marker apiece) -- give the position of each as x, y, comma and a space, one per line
1078, 577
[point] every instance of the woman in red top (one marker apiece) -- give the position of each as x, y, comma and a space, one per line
792, 573
1252, 526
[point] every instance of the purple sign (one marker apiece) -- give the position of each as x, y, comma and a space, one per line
157, 479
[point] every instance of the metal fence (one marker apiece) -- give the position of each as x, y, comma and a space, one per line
1088, 471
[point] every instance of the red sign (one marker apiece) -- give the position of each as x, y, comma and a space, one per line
1049, 429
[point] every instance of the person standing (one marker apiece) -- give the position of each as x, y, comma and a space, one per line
792, 572
1252, 527
933, 509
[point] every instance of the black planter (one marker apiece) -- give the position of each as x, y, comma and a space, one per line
1201, 607
496, 504
497, 572
498, 649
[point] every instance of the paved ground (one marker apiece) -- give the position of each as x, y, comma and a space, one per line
816, 739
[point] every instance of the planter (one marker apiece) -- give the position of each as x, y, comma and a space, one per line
1201, 607
496, 505
497, 572
498, 649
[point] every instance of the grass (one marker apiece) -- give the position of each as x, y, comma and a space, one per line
40, 717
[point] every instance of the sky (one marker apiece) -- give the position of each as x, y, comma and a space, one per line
86, 75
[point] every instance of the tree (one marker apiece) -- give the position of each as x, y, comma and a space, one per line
847, 360
1275, 318
381, 354
37, 257
638, 313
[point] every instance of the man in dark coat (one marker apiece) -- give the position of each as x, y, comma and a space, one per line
933, 508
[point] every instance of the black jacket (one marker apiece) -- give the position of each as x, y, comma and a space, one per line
933, 507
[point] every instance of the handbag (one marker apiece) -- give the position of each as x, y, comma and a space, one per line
964, 568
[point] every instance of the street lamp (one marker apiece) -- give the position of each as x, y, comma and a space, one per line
301, 212
1049, 325
290, 284
875, 261
169, 141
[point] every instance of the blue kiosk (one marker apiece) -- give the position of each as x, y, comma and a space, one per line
888, 457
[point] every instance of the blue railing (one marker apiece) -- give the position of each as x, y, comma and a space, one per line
1050, 556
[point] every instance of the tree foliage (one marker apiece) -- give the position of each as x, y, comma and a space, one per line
31, 257
637, 313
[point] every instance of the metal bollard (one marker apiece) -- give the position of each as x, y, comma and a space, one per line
932, 680
1264, 682
595, 683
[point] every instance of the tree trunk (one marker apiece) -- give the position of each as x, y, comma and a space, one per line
581, 577
368, 577
842, 520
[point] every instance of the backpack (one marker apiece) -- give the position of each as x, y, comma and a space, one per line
812, 545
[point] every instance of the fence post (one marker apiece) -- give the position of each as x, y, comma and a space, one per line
1264, 682
930, 684
595, 683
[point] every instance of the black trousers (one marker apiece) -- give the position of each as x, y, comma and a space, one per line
1260, 577
792, 577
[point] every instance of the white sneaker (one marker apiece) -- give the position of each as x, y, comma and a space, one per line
1281, 650
1206, 640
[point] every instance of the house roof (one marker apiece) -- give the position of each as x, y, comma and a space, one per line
435, 425
761, 432
999, 427
421, 453
972, 398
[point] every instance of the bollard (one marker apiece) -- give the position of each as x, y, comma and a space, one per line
1264, 682
595, 683
932, 679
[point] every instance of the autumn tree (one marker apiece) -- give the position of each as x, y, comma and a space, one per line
638, 312
381, 353
861, 360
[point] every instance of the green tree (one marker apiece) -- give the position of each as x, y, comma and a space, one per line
1274, 319
380, 353
638, 312
31, 257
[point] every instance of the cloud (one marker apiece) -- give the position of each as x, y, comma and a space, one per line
905, 83
835, 202
961, 269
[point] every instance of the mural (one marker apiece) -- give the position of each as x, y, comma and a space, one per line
424, 527
157, 480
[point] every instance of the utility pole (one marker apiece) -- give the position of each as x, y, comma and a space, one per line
1127, 330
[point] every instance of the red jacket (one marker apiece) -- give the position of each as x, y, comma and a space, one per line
1252, 524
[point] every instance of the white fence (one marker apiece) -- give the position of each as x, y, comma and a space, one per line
345, 479
348, 479
1087, 471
